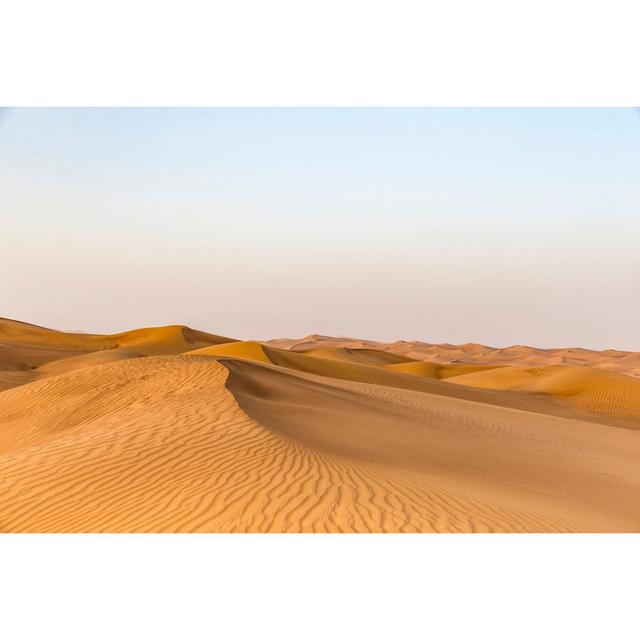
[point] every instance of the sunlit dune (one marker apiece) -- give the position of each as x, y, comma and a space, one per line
25, 348
173, 429
602, 393
247, 350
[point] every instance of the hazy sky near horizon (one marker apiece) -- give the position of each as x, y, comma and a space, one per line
498, 226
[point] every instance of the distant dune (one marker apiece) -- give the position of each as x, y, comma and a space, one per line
26, 348
620, 361
173, 429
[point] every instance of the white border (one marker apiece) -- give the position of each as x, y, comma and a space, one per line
335, 52
319, 586
285, 52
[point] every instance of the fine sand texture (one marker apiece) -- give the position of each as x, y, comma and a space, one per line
170, 429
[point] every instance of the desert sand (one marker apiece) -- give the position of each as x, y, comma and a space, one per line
471, 353
171, 429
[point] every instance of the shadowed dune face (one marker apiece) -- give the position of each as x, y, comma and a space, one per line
359, 356
564, 471
173, 429
436, 370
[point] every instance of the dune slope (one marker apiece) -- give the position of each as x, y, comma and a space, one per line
451, 463
161, 444
605, 394
158, 444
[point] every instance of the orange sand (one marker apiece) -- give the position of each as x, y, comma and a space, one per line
172, 429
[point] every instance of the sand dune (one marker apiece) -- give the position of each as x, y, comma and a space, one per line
25, 348
169, 339
173, 429
436, 370
359, 356
619, 361
601, 393
247, 350
348, 366
451, 463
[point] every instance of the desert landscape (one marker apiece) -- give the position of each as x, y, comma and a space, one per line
319, 322
171, 429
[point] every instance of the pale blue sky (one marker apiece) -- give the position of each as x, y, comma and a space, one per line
499, 226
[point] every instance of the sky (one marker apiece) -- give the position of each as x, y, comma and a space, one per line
497, 226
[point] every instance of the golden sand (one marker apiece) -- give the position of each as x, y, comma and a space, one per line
172, 429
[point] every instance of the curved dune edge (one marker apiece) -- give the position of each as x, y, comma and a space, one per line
447, 463
159, 444
429, 377
581, 392
249, 350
